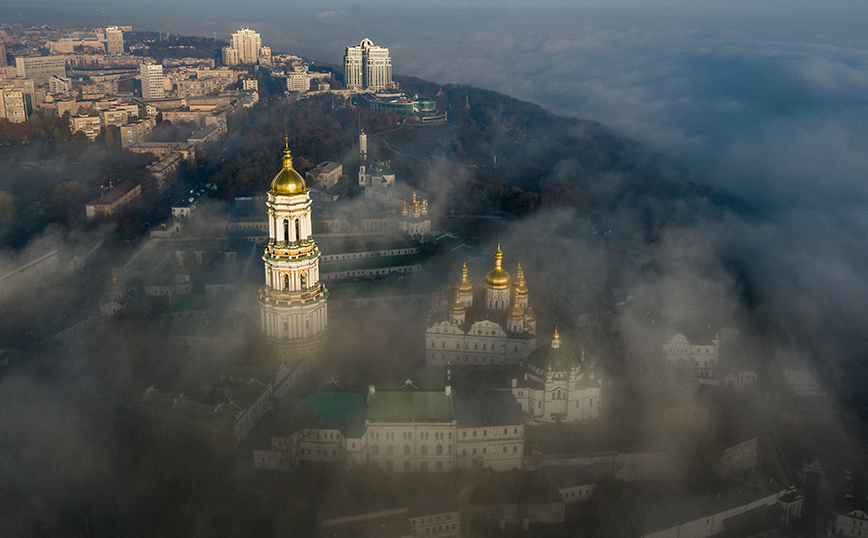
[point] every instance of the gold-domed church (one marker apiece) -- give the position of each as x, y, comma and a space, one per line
293, 300
497, 327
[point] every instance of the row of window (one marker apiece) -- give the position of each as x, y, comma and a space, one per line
440, 529
423, 465
475, 346
473, 451
409, 435
375, 450
485, 432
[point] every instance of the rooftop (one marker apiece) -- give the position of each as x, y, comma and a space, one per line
410, 406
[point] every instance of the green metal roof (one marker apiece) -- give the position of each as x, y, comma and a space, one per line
410, 406
561, 359
343, 411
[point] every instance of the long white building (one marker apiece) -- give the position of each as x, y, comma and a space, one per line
367, 67
401, 431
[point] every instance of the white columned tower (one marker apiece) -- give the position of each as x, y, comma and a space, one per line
293, 300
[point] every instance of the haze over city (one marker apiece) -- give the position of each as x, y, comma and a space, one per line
683, 170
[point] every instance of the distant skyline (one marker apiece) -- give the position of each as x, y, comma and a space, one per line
765, 100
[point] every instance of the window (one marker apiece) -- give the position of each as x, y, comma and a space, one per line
474, 433
438, 466
515, 448
390, 450
375, 450
423, 466
406, 449
504, 450
439, 450
474, 451
424, 450
407, 468
463, 452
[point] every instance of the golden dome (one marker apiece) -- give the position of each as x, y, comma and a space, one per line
521, 284
497, 278
465, 287
288, 181
457, 306
515, 312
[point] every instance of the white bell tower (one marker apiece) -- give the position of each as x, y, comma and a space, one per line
293, 300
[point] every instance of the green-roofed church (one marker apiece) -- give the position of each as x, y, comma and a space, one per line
559, 385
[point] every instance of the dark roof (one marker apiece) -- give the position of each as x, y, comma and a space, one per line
488, 409
114, 194
568, 476
513, 487
669, 514
760, 519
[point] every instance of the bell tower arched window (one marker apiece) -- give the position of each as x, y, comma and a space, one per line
297, 230
285, 231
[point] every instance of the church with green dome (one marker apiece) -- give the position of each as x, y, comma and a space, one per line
558, 384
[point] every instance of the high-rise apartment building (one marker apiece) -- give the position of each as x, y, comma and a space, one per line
40, 69
152, 81
114, 39
2, 53
247, 43
13, 105
367, 66
230, 56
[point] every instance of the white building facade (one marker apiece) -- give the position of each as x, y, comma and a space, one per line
367, 67
699, 356
152, 81
247, 43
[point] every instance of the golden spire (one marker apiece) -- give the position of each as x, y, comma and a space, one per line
288, 181
556, 337
465, 286
515, 312
497, 278
521, 284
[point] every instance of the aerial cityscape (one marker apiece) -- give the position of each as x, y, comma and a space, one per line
251, 292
